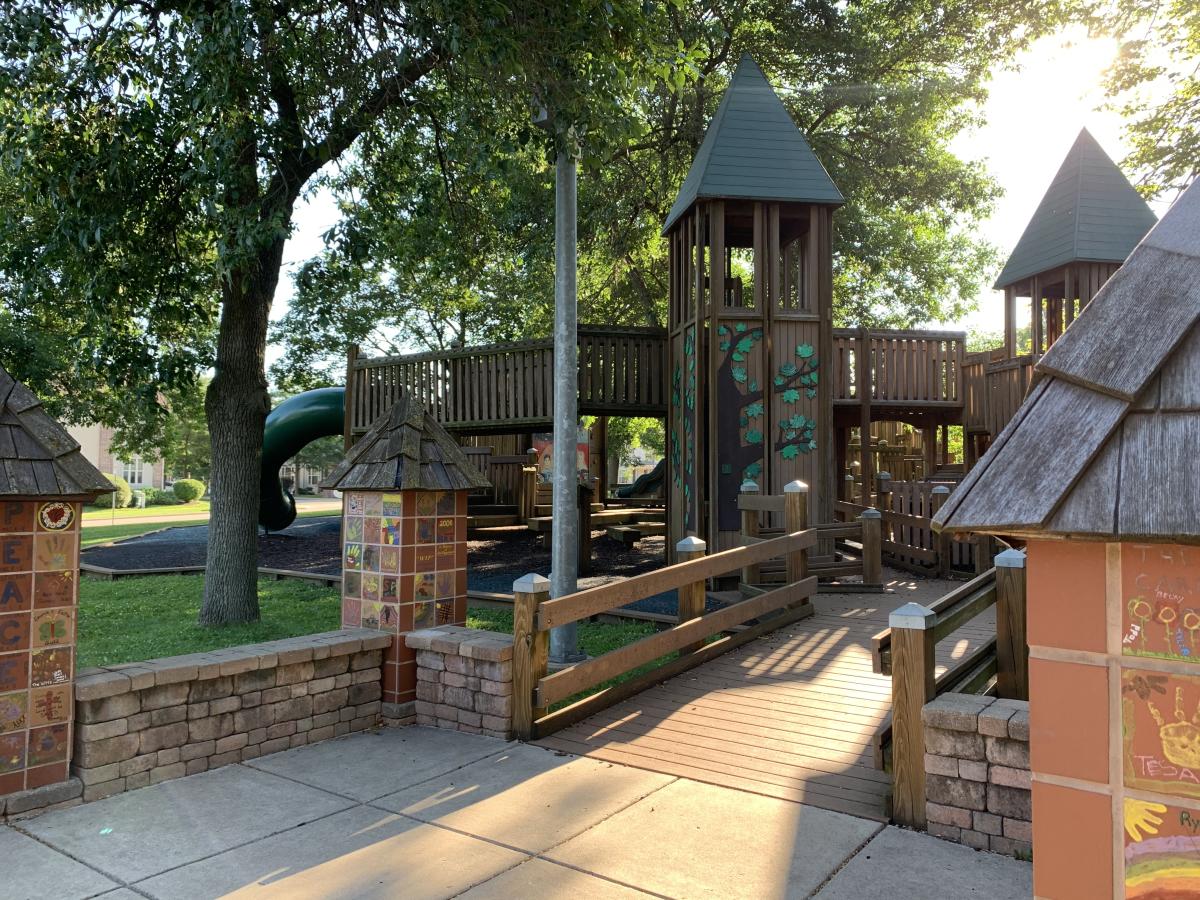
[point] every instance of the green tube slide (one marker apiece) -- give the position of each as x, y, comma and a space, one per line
292, 425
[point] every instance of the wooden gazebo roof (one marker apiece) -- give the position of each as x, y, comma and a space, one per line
753, 150
1090, 213
38, 458
1105, 444
406, 449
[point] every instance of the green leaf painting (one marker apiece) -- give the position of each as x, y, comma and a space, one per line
804, 351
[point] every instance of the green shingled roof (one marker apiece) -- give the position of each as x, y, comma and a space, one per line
754, 151
1090, 213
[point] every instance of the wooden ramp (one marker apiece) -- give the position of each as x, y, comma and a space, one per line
792, 715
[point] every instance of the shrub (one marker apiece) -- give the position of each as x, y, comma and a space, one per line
123, 494
156, 497
188, 489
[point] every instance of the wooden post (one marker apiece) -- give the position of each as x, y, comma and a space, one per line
883, 500
862, 381
872, 549
848, 488
750, 529
795, 518
942, 540
912, 687
983, 548
531, 651
1012, 648
929, 446
585, 529
349, 398
691, 596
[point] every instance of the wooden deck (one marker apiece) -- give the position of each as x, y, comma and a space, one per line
791, 715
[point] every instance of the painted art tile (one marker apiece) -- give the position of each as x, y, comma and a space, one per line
16, 593
427, 503
424, 615
370, 558
371, 587
445, 612
1160, 594
1160, 717
17, 515
14, 672
446, 531
354, 529
53, 589
50, 666
389, 589
53, 626
48, 744
424, 559
389, 559
12, 751
351, 613
445, 585
370, 614
373, 504
351, 584
16, 552
388, 618
446, 557
389, 530
426, 531
424, 587
371, 529
53, 552
14, 632
445, 503
393, 504
49, 705
356, 504
56, 515
352, 558
1162, 850
14, 711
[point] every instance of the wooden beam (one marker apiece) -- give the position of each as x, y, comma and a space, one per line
912, 687
531, 651
1012, 649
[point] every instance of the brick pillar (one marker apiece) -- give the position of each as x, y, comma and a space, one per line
404, 568
39, 575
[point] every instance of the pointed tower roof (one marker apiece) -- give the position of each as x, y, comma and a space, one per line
406, 449
1104, 445
753, 151
1090, 213
37, 456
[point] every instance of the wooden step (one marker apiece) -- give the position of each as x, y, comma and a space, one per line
542, 524
631, 534
545, 509
476, 522
491, 509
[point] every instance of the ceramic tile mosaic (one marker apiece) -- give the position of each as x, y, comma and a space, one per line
404, 568
39, 565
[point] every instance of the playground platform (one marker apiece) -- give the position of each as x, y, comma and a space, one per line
421, 813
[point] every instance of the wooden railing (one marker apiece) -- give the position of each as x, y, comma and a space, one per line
621, 372
905, 651
535, 690
904, 368
994, 388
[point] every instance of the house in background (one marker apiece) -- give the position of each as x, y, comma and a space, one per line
95, 442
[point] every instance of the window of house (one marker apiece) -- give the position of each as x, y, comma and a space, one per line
133, 470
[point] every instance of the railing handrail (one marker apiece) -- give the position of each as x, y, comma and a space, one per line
597, 600
901, 334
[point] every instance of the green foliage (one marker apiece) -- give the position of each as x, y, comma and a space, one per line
155, 497
627, 434
188, 489
119, 498
1155, 85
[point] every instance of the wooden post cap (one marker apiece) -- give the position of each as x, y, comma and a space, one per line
1011, 559
940, 489
691, 544
870, 513
912, 615
748, 487
531, 584
882, 475
795, 487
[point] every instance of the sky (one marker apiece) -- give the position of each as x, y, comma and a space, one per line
1033, 114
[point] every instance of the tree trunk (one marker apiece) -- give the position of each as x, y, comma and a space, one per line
236, 406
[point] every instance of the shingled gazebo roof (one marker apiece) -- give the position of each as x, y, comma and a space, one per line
1090, 213
753, 150
37, 456
406, 449
1105, 444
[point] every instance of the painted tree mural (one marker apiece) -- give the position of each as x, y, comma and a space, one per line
683, 437
742, 409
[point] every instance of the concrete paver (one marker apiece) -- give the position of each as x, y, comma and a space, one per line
361, 853
32, 870
384, 761
696, 840
898, 863
143, 832
526, 797
550, 881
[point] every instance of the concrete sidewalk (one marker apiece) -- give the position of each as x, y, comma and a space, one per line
422, 813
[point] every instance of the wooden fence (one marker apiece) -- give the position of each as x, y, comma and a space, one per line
903, 368
905, 651
535, 690
510, 386
993, 389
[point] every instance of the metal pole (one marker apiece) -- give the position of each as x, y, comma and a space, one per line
564, 547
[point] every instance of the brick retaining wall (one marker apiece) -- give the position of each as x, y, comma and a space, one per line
464, 679
977, 781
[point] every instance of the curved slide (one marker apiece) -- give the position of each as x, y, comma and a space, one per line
291, 426
649, 483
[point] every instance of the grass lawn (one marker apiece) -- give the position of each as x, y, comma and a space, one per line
144, 618
91, 514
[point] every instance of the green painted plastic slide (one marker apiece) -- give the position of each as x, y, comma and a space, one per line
291, 426
647, 484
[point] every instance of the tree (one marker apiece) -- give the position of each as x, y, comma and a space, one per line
157, 150
880, 89
186, 448
1155, 84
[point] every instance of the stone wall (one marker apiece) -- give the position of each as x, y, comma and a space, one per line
464, 679
977, 781
142, 723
